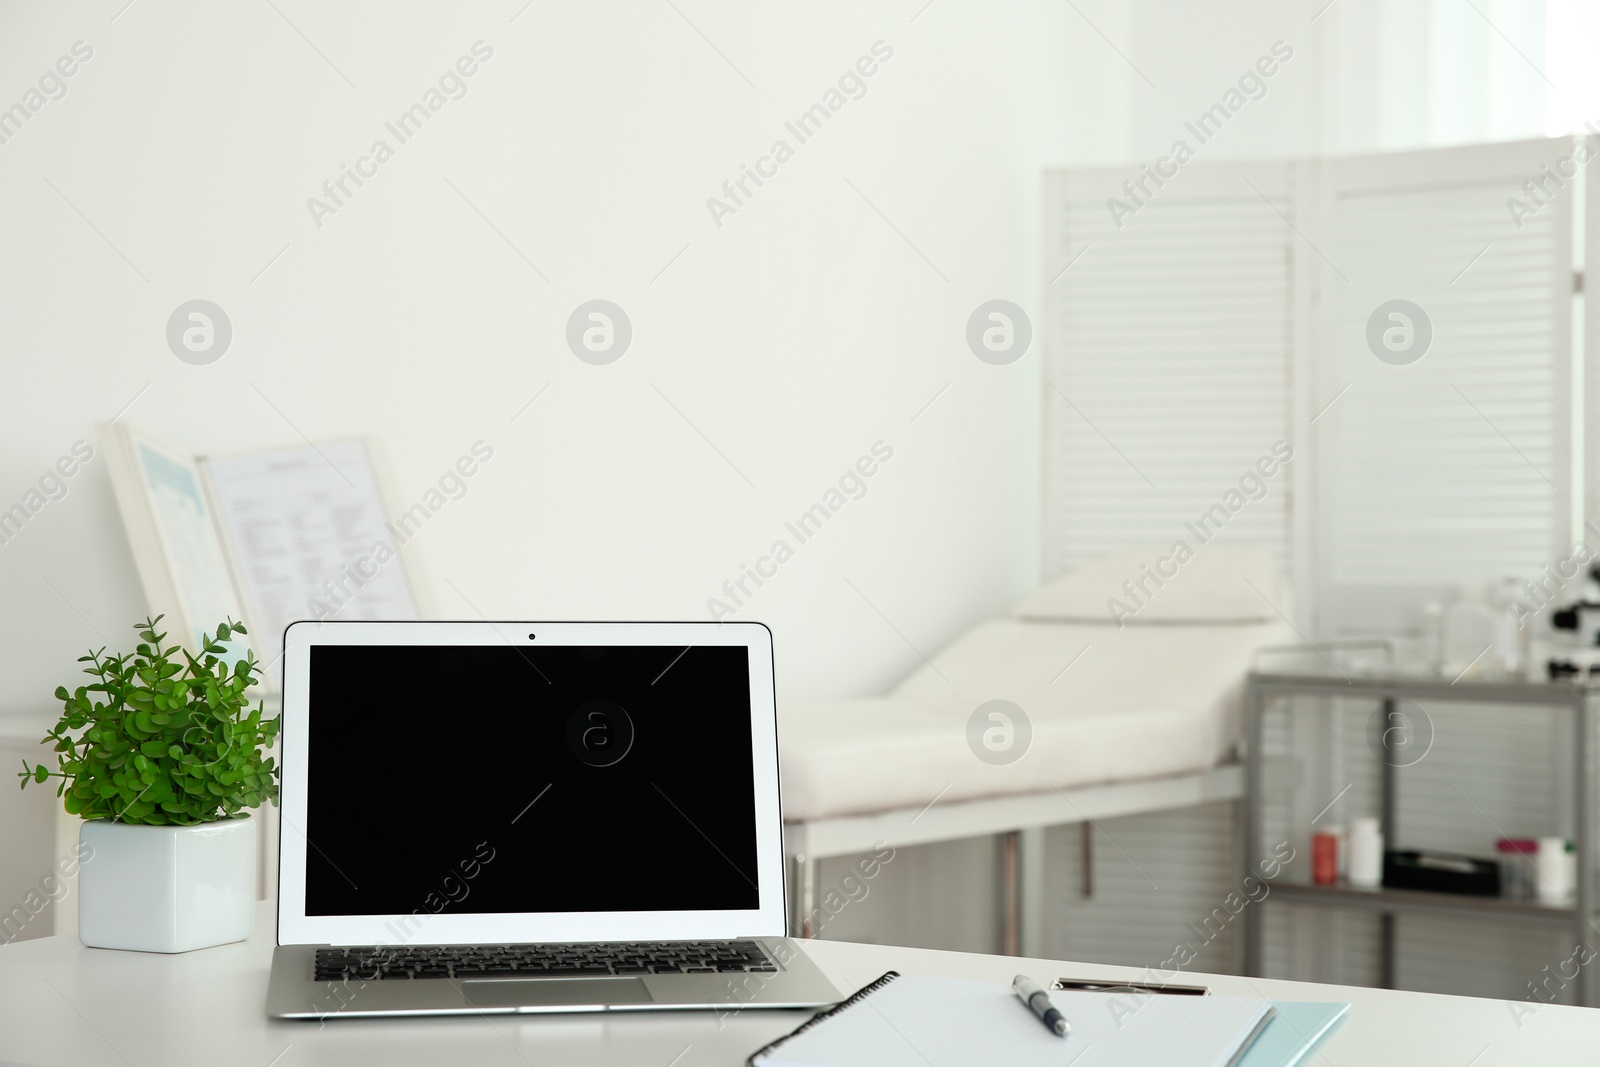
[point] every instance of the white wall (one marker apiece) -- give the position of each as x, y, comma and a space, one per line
793, 337
804, 329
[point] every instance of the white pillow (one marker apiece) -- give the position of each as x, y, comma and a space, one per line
1183, 582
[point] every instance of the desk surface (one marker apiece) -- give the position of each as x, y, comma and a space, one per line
61, 1003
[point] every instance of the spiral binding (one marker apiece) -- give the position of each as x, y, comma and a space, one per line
858, 995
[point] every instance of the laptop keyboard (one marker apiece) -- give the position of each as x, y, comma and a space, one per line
533, 961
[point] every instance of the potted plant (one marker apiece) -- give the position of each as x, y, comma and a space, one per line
160, 756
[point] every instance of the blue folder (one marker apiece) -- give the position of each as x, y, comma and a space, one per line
1291, 1033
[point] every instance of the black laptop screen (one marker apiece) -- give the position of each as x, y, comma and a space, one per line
466, 779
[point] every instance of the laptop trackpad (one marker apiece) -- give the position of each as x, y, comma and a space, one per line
554, 992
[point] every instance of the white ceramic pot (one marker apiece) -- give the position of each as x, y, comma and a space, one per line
167, 888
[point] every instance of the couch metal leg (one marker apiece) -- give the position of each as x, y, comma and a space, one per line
1010, 896
1086, 835
804, 873
1032, 940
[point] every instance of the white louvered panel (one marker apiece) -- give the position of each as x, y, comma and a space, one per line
1153, 876
1589, 309
1456, 468
897, 907
1172, 336
1167, 357
1494, 960
1314, 944
1489, 771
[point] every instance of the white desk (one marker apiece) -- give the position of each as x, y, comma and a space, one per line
61, 1003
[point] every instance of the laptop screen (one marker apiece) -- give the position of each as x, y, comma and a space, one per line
561, 778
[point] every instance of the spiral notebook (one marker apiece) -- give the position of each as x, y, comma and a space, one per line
920, 1020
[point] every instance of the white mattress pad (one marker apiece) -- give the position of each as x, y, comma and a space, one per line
1102, 704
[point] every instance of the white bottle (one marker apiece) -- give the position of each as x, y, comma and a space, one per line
1468, 633
1433, 636
1510, 630
1555, 872
1365, 867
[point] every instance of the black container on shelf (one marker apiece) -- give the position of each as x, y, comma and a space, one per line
1440, 872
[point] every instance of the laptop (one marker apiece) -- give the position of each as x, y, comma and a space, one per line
486, 817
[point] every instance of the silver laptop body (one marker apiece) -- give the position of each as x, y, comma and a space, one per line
531, 817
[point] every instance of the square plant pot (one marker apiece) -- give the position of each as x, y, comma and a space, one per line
167, 888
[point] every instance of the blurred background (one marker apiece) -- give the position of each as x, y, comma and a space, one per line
1170, 316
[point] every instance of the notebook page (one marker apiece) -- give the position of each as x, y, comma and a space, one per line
925, 1021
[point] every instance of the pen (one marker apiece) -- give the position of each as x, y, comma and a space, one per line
1038, 1001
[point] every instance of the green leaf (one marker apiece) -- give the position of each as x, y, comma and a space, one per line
161, 737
